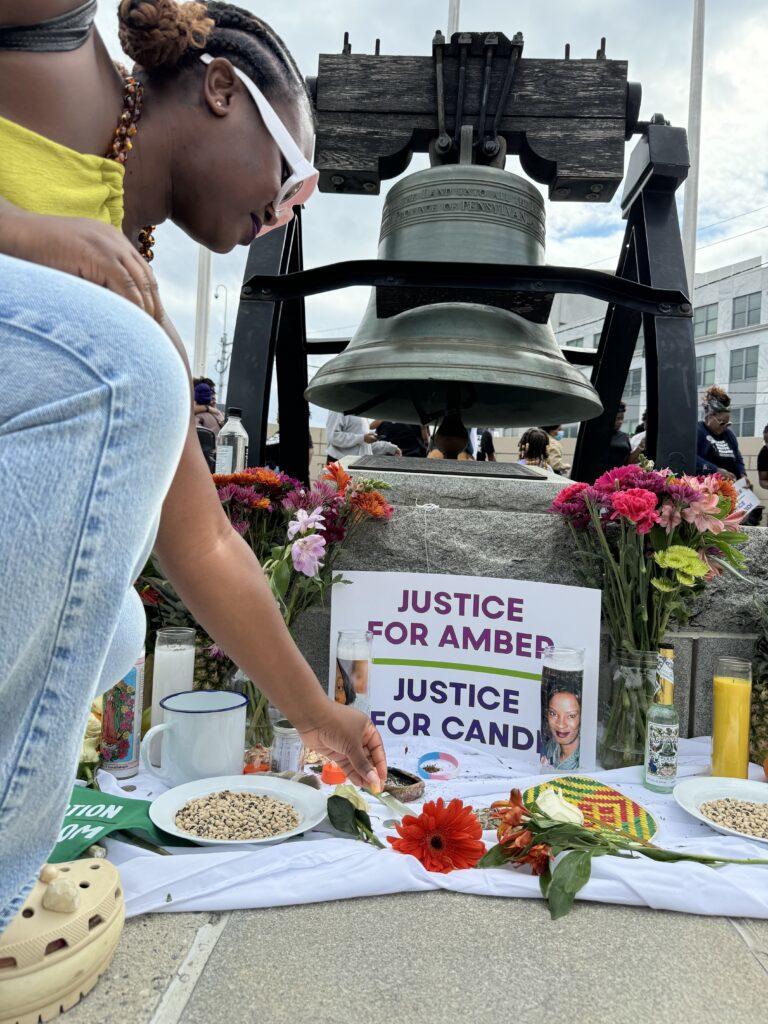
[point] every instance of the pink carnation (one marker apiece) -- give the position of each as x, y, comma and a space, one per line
570, 503
629, 477
638, 505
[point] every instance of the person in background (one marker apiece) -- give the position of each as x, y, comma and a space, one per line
642, 426
385, 448
206, 413
486, 449
347, 435
534, 449
451, 440
762, 461
717, 448
272, 449
410, 438
555, 456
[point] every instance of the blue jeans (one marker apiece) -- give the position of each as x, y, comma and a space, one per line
94, 407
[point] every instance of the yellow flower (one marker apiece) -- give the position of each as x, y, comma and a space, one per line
684, 562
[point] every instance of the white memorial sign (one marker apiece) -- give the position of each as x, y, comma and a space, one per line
459, 657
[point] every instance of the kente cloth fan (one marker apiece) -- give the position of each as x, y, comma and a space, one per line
596, 800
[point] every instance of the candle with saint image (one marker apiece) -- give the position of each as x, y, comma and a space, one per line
173, 669
353, 659
730, 722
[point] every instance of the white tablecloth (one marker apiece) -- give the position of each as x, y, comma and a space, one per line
319, 866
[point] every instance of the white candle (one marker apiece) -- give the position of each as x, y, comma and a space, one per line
173, 672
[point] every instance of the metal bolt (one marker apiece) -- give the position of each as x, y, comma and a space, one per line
490, 147
337, 179
247, 290
664, 307
369, 186
265, 291
591, 195
562, 191
686, 308
596, 188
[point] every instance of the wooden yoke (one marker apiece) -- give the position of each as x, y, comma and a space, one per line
567, 119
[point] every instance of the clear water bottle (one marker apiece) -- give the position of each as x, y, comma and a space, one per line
232, 444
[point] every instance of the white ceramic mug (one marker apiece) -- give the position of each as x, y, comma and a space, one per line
203, 736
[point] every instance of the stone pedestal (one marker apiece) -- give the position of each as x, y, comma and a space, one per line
501, 528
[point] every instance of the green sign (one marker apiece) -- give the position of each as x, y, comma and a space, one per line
92, 815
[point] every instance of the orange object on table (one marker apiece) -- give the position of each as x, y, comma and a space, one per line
332, 775
254, 769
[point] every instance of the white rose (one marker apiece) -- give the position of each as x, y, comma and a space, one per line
552, 803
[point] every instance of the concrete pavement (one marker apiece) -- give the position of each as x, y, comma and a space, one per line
433, 957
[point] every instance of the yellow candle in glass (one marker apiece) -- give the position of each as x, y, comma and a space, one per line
730, 723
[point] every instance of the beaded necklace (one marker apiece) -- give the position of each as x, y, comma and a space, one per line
122, 145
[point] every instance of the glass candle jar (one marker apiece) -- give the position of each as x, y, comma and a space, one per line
730, 718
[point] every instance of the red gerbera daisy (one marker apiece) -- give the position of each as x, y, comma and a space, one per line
443, 838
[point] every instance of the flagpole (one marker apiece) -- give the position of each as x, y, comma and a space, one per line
691, 201
453, 16
202, 309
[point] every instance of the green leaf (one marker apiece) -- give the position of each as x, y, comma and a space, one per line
573, 871
560, 902
545, 881
281, 578
341, 814
496, 857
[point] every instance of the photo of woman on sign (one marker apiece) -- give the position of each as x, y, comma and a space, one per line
563, 729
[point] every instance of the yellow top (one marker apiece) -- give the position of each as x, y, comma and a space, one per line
42, 176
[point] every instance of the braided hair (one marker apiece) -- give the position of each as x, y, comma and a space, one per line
165, 37
534, 445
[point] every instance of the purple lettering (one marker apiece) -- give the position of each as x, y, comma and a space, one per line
449, 721
542, 643
498, 734
515, 609
397, 729
420, 724
419, 633
481, 698
511, 700
502, 641
523, 646
479, 642
498, 601
393, 630
442, 603
449, 638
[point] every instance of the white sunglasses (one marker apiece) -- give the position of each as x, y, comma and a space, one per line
301, 183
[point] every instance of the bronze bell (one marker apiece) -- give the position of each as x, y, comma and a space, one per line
492, 357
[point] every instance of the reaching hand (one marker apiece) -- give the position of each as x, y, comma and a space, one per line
352, 740
370, 437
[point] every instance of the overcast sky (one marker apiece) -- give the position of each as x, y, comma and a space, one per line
653, 35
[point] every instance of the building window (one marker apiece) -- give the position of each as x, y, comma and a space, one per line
746, 310
743, 421
575, 343
634, 383
596, 339
571, 430
743, 364
705, 320
705, 371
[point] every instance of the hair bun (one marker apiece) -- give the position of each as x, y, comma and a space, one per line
159, 33
716, 394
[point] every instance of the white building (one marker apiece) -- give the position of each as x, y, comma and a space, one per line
731, 337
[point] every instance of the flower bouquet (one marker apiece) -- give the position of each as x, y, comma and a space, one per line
651, 541
297, 533
535, 834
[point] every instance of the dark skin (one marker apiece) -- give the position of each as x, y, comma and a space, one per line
176, 171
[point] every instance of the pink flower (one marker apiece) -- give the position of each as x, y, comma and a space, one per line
306, 553
638, 505
304, 522
669, 516
628, 477
702, 513
571, 505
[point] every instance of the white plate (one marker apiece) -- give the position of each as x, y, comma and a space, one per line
309, 804
692, 793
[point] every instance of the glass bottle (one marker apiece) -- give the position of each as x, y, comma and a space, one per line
232, 444
662, 732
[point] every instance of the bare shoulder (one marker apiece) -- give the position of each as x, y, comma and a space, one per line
30, 12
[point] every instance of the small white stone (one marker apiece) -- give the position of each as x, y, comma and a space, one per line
48, 872
61, 896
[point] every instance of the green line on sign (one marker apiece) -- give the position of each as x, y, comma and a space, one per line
485, 669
